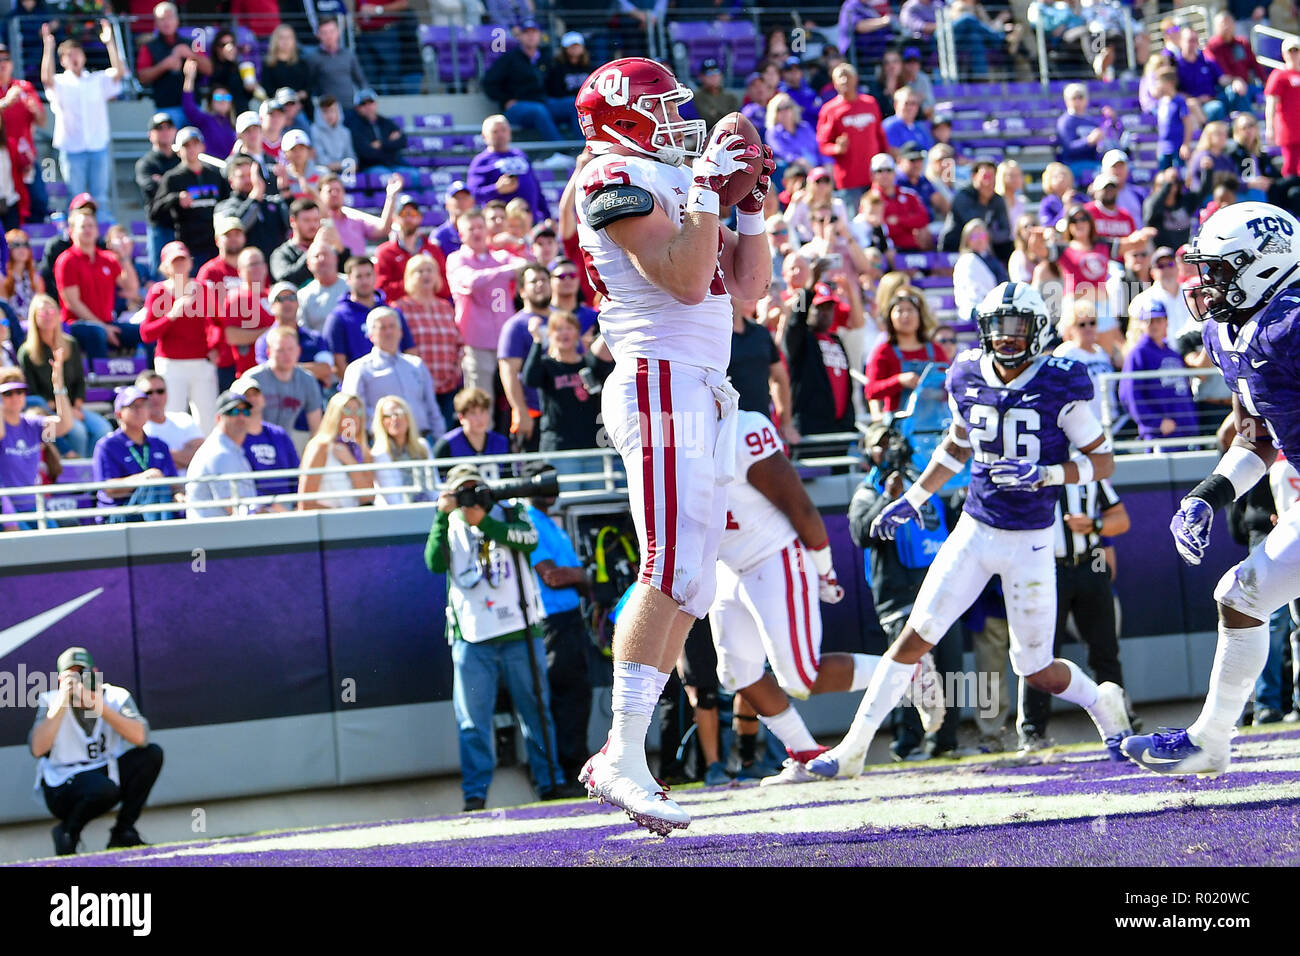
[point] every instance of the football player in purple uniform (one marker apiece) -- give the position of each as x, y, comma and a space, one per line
1248, 256
1020, 414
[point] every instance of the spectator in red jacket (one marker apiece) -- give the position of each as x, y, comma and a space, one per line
180, 317
895, 365
1232, 54
850, 130
21, 109
1282, 107
407, 242
905, 212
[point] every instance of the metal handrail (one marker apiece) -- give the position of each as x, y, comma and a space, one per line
1257, 30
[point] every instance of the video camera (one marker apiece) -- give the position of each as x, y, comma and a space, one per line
487, 493
896, 451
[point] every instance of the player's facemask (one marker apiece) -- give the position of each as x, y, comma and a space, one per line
686, 135
1218, 295
1006, 335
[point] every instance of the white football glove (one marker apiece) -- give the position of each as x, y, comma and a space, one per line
722, 157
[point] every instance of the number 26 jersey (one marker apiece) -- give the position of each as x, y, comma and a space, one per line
1035, 417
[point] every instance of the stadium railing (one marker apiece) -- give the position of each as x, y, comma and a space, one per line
56, 504
1267, 44
1115, 417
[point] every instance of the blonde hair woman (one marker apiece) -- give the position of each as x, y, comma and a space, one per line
1078, 329
1009, 183
44, 335
284, 66
340, 441
1058, 193
396, 440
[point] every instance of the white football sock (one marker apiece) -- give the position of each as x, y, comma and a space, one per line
1081, 690
790, 730
661, 681
633, 698
885, 690
864, 665
1238, 659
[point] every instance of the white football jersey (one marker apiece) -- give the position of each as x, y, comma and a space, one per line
756, 528
638, 319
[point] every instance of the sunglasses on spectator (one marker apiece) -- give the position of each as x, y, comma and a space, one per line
1161, 263
946, 340
825, 219
156, 391
242, 410
221, 97
1086, 325
565, 275
1074, 219
394, 413
20, 245
21, 392
286, 297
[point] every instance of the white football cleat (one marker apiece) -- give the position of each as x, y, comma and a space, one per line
650, 809
925, 693
1110, 714
830, 765
793, 770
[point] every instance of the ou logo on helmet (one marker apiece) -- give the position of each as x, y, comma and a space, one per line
614, 86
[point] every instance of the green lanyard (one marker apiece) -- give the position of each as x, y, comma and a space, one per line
141, 457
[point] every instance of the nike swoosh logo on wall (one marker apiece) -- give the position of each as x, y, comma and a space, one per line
12, 638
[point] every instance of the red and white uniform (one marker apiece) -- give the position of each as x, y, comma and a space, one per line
640, 319
767, 607
667, 407
1111, 224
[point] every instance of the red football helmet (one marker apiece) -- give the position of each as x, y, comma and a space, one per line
626, 103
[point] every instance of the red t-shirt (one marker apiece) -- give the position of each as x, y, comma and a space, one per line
1116, 224
905, 212
219, 273
837, 370
260, 16
390, 268
239, 311
861, 121
1084, 271
96, 278
1285, 85
188, 336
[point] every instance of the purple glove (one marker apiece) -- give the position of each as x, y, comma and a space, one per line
896, 514
1011, 474
1191, 529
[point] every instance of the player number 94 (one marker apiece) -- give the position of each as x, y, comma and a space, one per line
757, 441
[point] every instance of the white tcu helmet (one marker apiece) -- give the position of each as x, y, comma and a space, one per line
1245, 253
1013, 310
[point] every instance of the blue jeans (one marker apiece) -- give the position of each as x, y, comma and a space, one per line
87, 172
93, 337
565, 113
479, 669
530, 114
1268, 688
158, 237
84, 435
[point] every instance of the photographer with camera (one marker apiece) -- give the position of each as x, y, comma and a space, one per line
897, 568
93, 748
480, 539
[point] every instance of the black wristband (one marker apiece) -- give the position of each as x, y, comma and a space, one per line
1216, 491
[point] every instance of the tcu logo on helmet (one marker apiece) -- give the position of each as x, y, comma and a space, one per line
614, 86
1272, 231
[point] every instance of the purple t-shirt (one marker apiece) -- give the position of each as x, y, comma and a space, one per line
515, 342
1199, 77
272, 450
1170, 114
20, 461
117, 457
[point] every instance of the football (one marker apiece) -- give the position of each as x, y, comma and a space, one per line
741, 182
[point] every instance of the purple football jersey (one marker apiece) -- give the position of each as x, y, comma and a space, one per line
1016, 420
1261, 364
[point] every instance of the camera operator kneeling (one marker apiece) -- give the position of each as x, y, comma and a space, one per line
93, 750
494, 619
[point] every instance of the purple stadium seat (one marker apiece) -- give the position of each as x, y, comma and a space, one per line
128, 365
700, 41
434, 121
453, 51
742, 44
491, 42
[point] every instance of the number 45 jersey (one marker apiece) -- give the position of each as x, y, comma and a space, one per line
1035, 417
1261, 364
638, 319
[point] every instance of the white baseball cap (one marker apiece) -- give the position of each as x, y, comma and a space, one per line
1291, 43
1112, 157
295, 137
246, 119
